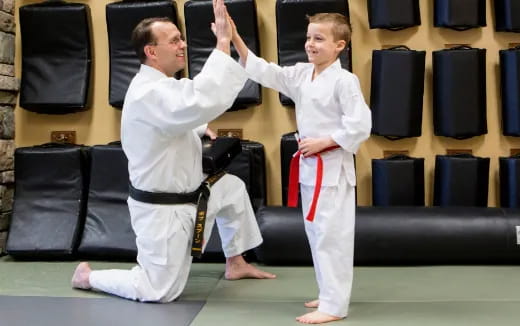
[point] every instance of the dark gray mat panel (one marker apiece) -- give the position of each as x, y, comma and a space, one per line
46, 311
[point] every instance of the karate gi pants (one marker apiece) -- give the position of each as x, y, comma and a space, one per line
164, 235
331, 238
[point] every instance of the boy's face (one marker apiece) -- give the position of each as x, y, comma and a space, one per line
321, 48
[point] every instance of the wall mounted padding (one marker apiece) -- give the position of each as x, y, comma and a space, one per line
56, 57
249, 166
507, 15
461, 180
435, 235
401, 236
396, 93
49, 202
291, 31
459, 14
510, 91
398, 181
509, 174
201, 41
393, 14
288, 146
283, 232
459, 92
108, 232
122, 17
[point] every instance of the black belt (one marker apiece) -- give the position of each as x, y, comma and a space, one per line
199, 197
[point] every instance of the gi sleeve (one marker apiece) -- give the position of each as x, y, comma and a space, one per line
356, 117
186, 104
271, 75
201, 130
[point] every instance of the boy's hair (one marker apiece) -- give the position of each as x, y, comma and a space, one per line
142, 35
341, 29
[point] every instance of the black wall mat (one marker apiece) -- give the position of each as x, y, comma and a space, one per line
509, 173
396, 93
56, 57
510, 91
459, 92
250, 167
108, 232
122, 17
291, 31
393, 14
201, 41
461, 180
288, 146
49, 202
401, 236
459, 14
398, 181
507, 15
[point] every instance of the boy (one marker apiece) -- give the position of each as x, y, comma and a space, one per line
331, 115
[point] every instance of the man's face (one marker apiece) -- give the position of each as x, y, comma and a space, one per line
168, 50
320, 46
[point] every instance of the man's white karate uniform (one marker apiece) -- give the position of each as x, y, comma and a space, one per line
330, 105
160, 134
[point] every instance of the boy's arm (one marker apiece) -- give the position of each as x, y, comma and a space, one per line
267, 74
239, 43
356, 118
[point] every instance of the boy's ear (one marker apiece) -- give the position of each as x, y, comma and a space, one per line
340, 45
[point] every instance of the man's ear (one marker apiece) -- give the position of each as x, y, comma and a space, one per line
149, 51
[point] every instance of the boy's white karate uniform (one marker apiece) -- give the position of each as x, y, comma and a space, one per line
161, 138
330, 105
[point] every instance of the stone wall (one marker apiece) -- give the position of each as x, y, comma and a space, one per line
9, 86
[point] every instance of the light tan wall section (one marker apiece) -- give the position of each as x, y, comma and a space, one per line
267, 122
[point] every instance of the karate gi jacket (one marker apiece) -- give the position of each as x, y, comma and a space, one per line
330, 105
163, 119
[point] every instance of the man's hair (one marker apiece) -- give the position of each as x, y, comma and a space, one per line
341, 29
142, 35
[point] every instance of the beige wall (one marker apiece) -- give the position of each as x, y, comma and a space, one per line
265, 123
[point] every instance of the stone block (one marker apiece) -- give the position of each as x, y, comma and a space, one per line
6, 122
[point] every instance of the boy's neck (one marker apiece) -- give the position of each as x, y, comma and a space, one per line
319, 68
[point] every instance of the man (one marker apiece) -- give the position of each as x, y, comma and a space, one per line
160, 135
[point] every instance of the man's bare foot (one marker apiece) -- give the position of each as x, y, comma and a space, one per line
237, 268
316, 317
80, 278
312, 304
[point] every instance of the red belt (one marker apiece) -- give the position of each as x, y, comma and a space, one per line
294, 176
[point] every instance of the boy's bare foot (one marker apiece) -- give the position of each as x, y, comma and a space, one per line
312, 304
316, 317
237, 268
80, 278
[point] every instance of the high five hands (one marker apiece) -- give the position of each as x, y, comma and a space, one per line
222, 26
